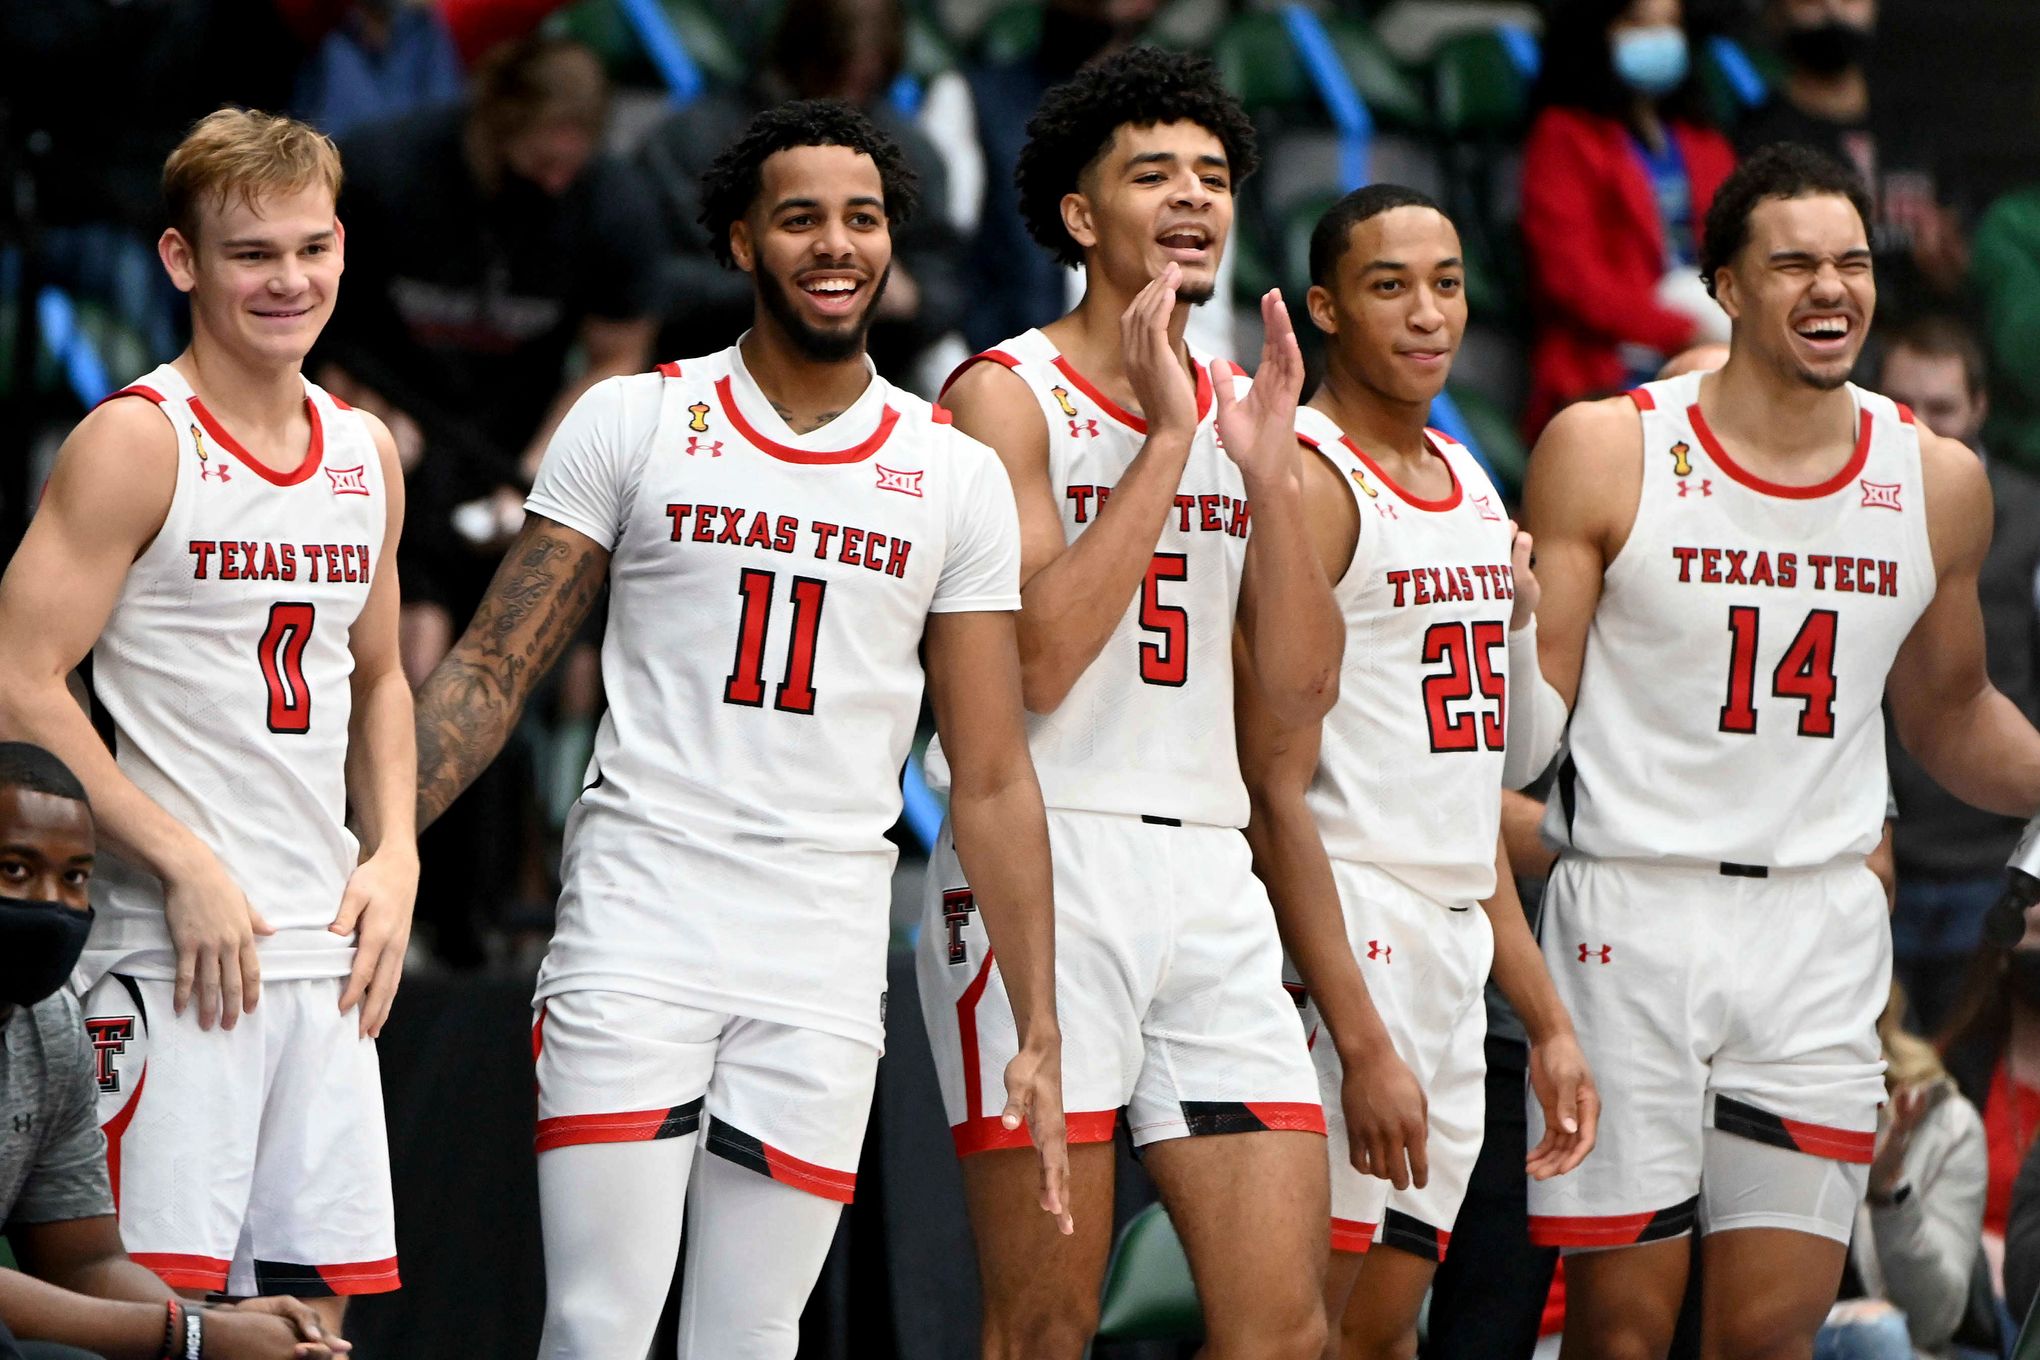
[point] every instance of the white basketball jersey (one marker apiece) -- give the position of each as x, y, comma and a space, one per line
1148, 727
768, 592
223, 679
1409, 775
1729, 702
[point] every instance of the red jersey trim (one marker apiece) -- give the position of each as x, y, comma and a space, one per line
787, 453
182, 1271
1350, 1235
990, 1133
134, 390
996, 356
1840, 1145
315, 451
941, 415
1437, 506
338, 404
670, 369
361, 1277
1905, 413
1588, 1230
967, 1037
1120, 413
1738, 472
1299, 1116
116, 1129
1644, 400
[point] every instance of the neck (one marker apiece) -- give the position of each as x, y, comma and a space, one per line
1771, 413
256, 395
807, 392
1644, 118
1838, 98
1378, 423
1090, 336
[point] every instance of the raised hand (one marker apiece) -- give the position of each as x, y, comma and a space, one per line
1572, 1107
1259, 431
1034, 1097
213, 929
1161, 384
1387, 1120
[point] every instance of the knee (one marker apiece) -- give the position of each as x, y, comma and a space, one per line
1044, 1331
1359, 1341
1295, 1334
1758, 1334
1613, 1342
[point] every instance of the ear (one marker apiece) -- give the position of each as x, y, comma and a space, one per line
340, 243
742, 249
1077, 220
179, 259
1727, 293
1318, 302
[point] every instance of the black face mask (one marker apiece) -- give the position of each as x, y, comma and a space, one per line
39, 946
1827, 49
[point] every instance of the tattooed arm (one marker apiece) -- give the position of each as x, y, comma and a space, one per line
469, 703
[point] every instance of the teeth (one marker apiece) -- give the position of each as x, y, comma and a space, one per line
831, 286
1826, 328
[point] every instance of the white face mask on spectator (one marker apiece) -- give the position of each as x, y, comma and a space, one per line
1652, 61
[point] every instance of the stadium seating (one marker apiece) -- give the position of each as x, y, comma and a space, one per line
1148, 1292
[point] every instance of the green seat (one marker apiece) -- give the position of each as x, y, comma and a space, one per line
1497, 436
1010, 35
600, 25
1258, 63
1148, 1292
1477, 89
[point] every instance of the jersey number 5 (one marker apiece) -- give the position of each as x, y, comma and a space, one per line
1806, 672
746, 685
1468, 651
282, 656
1166, 662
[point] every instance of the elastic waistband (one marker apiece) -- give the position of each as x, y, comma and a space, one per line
1724, 868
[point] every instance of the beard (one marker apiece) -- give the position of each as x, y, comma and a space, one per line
1197, 294
819, 345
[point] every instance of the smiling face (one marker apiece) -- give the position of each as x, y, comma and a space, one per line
1800, 293
262, 275
1155, 195
46, 848
818, 247
1397, 310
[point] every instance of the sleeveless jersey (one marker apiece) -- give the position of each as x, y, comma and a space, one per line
1409, 775
1148, 727
767, 597
1729, 701
222, 680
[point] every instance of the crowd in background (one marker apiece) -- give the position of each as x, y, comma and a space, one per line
520, 206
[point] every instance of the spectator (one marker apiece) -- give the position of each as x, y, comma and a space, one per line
2022, 1240
2005, 277
1992, 1049
1825, 101
488, 243
1916, 1243
1951, 856
76, 1287
821, 49
1017, 285
382, 58
1617, 176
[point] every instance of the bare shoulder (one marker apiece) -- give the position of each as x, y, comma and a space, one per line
991, 403
1959, 502
118, 469
1587, 467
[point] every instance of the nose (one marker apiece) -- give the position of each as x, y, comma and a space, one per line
1192, 192
288, 278
1427, 315
1827, 283
833, 241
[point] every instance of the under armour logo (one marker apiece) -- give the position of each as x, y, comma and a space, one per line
711, 447
1087, 428
1385, 510
348, 481
1881, 495
208, 472
1705, 488
906, 483
109, 1035
1588, 955
957, 905
1486, 508
23, 1123
1377, 950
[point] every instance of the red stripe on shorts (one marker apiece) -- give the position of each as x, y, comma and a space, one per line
184, 1272
966, 1033
116, 1128
1841, 1145
990, 1133
632, 1126
1352, 1235
362, 1277
823, 1181
1300, 1116
1588, 1230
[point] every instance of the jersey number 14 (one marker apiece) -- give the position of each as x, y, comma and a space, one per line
1806, 672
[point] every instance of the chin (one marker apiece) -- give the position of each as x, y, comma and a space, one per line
1825, 379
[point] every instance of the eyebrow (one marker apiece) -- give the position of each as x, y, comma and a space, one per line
1808, 257
1449, 262
861, 201
243, 242
1170, 158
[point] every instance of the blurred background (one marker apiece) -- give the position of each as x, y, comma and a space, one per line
520, 206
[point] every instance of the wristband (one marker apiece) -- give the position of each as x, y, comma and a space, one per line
173, 1330
194, 1334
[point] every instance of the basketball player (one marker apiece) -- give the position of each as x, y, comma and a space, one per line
781, 530
1734, 565
1391, 808
217, 546
1138, 562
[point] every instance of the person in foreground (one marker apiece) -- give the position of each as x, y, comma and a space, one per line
1734, 564
783, 532
77, 1294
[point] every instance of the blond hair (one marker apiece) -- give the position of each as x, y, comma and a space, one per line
1909, 1060
245, 153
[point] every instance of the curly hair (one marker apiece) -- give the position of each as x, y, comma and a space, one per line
731, 183
1078, 118
1780, 170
